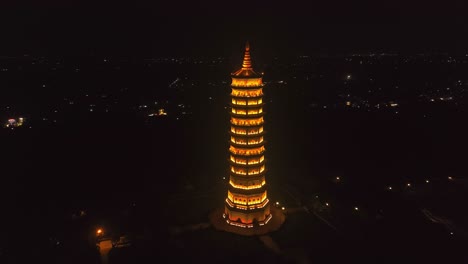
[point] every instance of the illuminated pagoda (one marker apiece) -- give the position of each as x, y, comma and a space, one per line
247, 204
246, 209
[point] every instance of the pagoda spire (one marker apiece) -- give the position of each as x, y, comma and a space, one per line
246, 63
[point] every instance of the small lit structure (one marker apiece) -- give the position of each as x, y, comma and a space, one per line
13, 122
161, 112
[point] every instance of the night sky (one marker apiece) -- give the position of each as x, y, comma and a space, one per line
176, 28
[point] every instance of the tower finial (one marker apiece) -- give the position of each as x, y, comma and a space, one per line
246, 64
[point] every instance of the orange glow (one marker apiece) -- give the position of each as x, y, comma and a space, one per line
230, 197
250, 187
248, 102
252, 82
247, 164
244, 112
247, 122
238, 171
258, 200
241, 151
239, 112
255, 112
228, 200
238, 131
243, 141
239, 161
250, 171
239, 102
255, 131
256, 171
248, 161
254, 102
99, 231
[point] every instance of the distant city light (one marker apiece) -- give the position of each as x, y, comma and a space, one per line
282, 208
389, 187
356, 208
99, 231
427, 181
408, 184
450, 178
327, 204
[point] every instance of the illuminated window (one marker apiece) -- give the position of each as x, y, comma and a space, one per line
253, 102
238, 161
255, 131
240, 141
239, 112
238, 131
256, 170
255, 112
239, 102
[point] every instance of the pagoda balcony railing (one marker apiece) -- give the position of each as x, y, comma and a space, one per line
243, 162
251, 93
249, 123
247, 151
239, 134
246, 105
246, 102
247, 207
251, 98
240, 114
247, 187
247, 130
246, 171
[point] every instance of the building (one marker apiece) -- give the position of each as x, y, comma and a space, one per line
247, 203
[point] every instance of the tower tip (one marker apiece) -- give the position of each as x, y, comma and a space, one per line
247, 46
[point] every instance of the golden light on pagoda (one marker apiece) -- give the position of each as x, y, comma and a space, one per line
247, 202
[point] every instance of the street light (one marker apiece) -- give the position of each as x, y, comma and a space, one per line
282, 208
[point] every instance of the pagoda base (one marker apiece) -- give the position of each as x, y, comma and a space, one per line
220, 223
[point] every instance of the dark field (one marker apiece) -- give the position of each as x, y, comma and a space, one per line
141, 175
